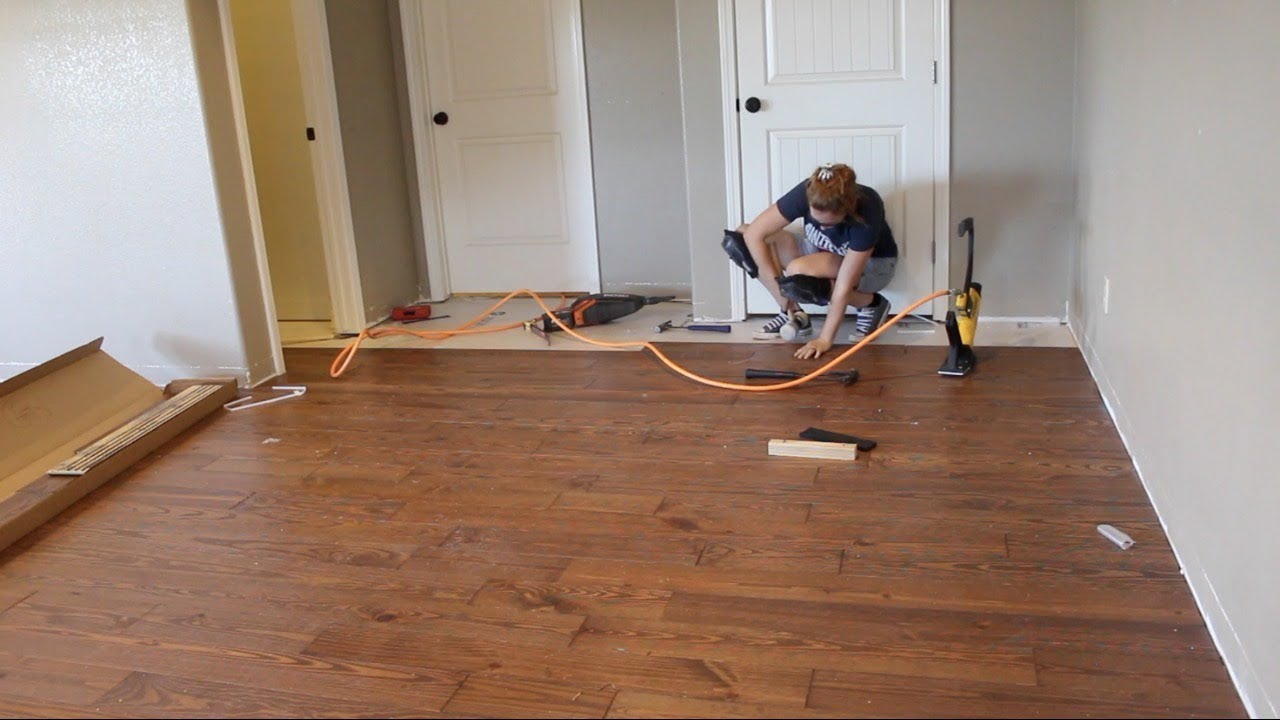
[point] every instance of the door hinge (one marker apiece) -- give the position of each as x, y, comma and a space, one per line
737, 105
935, 72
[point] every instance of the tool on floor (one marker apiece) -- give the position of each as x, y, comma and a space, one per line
812, 450
596, 309
409, 313
422, 319
962, 323
845, 377
820, 435
1117, 536
247, 402
694, 326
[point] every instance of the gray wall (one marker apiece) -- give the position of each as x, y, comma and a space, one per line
634, 100
369, 111
1178, 171
109, 201
410, 158
1012, 169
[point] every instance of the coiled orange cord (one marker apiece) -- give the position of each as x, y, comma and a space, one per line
348, 353
341, 362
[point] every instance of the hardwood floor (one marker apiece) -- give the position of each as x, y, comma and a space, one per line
584, 534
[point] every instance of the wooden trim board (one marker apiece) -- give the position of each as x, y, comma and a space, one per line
814, 450
84, 405
44, 498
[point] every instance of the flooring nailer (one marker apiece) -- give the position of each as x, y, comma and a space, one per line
962, 322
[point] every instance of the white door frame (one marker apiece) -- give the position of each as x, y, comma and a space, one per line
941, 152
415, 60
412, 30
320, 98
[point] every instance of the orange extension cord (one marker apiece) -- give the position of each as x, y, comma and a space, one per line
344, 358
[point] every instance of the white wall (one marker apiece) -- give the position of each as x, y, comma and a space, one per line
1179, 166
109, 212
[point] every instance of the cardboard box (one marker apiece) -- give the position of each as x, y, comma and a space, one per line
88, 417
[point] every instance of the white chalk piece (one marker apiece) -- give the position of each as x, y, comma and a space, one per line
1119, 538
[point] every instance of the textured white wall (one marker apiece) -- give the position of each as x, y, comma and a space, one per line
109, 217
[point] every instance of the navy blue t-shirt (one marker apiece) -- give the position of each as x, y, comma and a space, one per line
849, 235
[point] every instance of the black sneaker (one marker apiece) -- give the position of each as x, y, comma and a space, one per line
772, 330
870, 318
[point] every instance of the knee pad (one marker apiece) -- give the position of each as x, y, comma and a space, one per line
736, 246
806, 289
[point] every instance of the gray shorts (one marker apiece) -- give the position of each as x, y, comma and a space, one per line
875, 276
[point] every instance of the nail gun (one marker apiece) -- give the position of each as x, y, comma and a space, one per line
596, 309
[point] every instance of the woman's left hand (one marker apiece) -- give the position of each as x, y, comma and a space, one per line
813, 349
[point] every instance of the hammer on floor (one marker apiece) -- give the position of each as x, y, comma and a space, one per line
705, 328
845, 378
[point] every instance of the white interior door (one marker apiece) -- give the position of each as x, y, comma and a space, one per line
848, 81
513, 159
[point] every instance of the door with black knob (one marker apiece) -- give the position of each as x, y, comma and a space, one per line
848, 81
511, 144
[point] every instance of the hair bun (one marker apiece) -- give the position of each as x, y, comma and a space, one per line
826, 172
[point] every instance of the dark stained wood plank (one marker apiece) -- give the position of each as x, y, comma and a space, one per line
257, 548
587, 501
68, 682
640, 704
529, 698
253, 624
715, 513
496, 542
92, 612
1185, 684
13, 593
47, 707
226, 582
1005, 587
337, 681
428, 564
151, 695
898, 625
812, 649
777, 685
752, 553
573, 599
882, 696
391, 645
433, 623
459, 497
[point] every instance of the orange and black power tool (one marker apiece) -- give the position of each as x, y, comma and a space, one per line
596, 309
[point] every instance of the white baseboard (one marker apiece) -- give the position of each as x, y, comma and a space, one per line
1034, 320
1253, 693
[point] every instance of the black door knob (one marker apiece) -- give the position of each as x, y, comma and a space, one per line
753, 104
440, 118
